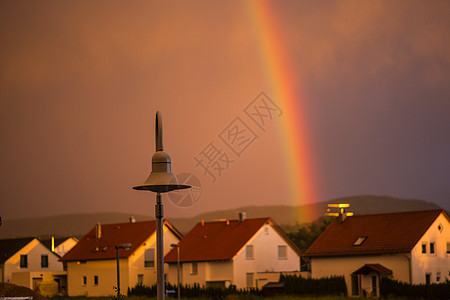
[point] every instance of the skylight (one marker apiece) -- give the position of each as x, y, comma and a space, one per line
360, 241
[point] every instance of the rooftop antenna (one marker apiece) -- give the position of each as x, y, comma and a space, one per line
341, 214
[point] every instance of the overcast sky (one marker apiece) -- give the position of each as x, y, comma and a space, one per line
80, 82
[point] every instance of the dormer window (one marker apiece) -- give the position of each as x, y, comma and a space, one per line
360, 241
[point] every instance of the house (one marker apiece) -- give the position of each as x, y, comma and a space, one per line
27, 262
413, 247
233, 252
92, 263
59, 245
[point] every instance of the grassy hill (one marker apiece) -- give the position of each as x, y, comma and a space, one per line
286, 216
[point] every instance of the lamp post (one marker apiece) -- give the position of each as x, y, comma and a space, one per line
127, 246
161, 180
178, 267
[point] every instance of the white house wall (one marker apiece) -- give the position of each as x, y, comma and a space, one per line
33, 250
65, 246
439, 262
186, 277
207, 272
219, 271
265, 246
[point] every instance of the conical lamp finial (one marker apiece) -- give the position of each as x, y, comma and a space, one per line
161, 179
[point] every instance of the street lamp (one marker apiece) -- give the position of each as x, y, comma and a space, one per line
161, 180
178, 267
126, 246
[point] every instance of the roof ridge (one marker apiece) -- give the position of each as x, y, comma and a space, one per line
234, 220
401, 212
122, 223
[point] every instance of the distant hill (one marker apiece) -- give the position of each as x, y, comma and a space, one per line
286, 216
61, 226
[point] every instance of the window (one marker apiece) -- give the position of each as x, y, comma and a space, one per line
438, 276
194, 268
249, 252
448, 248
23, 261
95, 280
359, 241
249, 277
44, 261
282, 252
431, 248
149, 258
84, 282
424, 248
140, 280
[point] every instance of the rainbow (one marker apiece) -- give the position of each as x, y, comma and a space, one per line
285, 88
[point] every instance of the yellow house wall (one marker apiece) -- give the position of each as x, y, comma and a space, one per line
107, 277
33, 250
337, 266
423, 263
137, 265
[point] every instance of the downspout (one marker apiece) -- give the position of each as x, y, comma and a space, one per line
409, 266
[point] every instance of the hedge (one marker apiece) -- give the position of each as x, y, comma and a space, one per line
330, 286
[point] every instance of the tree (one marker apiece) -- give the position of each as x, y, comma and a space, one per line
306, 234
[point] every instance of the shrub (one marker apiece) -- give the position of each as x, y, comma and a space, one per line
330, 286
389, 287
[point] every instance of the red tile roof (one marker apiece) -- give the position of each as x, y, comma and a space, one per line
220, 240
91, 248
384, 233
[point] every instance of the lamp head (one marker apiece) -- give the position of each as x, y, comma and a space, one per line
161, 179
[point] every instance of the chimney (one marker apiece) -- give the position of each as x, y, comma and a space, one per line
132, 219
98, 231
242, 216
342, 215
